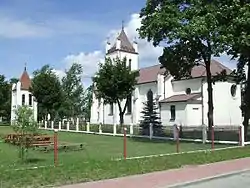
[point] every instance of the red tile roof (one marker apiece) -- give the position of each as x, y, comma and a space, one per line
182, 98
25, 81
149, 74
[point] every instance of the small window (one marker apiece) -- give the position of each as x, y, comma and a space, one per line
188, 91
99, 102
129, 105
23, 99
30, 99
172, 112
129, 63
111, 109
233, 90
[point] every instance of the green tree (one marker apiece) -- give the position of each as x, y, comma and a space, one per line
73, 91
88, 102
5, 98
151, 116
46, 88
235, 30
189, 32
26, 127
115, 82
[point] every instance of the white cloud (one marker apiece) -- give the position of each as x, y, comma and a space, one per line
59, 73
19, 28
11, 28
148, 54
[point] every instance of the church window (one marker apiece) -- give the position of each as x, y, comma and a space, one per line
188, 91
129, 64
233, 90
111, 109
129, 104
172, 112
23, 99
150, 99
30, 99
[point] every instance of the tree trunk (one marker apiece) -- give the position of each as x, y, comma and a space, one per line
121, 111
247, 103
210, 114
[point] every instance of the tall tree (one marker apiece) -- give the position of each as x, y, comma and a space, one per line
5, 97
88, 102
189, 30
73, 91
151, 116
46, 88
115, 82
235, 30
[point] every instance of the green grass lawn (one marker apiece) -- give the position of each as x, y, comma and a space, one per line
94, 161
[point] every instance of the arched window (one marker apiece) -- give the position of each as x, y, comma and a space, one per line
23, 99
129, 63
150, 100
129, 104
150, 95
30, 99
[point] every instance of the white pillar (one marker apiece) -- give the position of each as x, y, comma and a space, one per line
151, 131
60, 125
52, 124
67, 125
88, 127
131, 129
114, 129
77, 127
204, 134
45, 124
77, 121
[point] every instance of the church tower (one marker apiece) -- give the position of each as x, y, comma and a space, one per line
22, 96
124, 48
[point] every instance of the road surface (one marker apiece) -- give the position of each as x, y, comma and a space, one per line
232, 181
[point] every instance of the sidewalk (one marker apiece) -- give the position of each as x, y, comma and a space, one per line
164, 179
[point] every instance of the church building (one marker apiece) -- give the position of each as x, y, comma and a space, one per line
180, 101
22, 96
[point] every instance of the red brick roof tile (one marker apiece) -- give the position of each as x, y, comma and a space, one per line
182, 98
25, 81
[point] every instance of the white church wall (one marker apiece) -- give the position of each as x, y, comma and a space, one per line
194, 114
180, 114
143, 90
129, 56
226, 108
179, 87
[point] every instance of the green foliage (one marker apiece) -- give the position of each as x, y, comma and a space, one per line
46, 88
151, 116
114, 82
189, 31
73, 92
88, 97
5, 98
26, 127
235, 30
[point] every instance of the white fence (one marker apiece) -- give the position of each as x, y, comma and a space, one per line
222, 134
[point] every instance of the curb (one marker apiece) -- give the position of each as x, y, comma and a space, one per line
194, 182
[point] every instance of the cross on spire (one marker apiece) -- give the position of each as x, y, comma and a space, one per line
122, 24
25, 66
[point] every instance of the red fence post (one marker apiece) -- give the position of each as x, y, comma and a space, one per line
125, 143
212, 137
55, 148
177, 139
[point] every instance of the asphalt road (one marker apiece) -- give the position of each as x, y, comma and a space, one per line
234, 181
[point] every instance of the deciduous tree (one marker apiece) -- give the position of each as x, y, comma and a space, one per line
189, 32
115, 82
46, 88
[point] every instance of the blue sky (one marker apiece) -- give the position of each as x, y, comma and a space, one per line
57, 32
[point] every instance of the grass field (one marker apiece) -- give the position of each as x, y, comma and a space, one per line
94, 161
